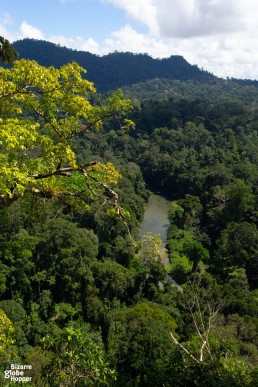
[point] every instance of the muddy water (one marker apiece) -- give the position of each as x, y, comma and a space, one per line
156, 221
156, 217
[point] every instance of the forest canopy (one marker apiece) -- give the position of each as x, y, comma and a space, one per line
84, 300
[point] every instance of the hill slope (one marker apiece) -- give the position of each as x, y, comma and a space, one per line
113, 70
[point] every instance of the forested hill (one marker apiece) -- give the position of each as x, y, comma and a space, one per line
84, 300
114, 70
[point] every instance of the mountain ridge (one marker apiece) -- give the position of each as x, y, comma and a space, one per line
113, 70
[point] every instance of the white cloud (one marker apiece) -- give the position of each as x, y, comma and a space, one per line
28, 31
91, 45
77, 43
220, 54
127, 39
218, 35
144, 11
188, 18
5, 19
5, 22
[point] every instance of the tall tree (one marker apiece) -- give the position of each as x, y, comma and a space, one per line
41, 110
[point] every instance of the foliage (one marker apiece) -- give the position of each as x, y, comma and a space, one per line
41, 110
6, 337
139, 343
150, 248
7, 51
77, 361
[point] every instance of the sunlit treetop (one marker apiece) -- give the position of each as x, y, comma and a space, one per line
6, 333
41, 110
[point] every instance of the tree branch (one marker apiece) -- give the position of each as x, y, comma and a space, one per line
183, 348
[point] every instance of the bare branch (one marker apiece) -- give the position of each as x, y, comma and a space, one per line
201, 352
183, 348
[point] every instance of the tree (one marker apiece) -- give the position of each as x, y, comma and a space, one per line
62, 259
203, 305
113, 279
7, 52
139, 344
211, 355
231, 203
41, 110
151, 248
17, 315
6, 335
77, 360
196, 252
237, 245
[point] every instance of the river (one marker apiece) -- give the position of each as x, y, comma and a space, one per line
155, 220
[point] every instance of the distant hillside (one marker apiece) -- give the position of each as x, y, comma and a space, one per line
216, 90
113, 70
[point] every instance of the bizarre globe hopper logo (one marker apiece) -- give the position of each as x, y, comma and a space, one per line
17, 373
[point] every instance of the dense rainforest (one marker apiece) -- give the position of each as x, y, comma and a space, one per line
84, 300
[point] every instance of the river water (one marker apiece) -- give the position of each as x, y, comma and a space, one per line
156, 221
156, 217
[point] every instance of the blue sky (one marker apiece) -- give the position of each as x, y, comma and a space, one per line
217, 35
83, 18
